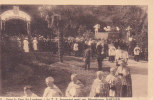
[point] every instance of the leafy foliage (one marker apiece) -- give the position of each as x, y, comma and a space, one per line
75, 17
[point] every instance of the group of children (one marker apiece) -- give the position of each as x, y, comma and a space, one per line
116, 84
73, 90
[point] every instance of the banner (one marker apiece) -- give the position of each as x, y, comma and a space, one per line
101, 35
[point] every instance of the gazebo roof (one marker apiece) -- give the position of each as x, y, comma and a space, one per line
15, 14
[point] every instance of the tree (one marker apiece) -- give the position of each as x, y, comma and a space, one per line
53, 18
76, 20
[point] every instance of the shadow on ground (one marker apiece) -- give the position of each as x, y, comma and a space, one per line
141, 71
34, 73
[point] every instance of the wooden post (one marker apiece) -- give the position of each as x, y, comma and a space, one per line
60, 40
29, 36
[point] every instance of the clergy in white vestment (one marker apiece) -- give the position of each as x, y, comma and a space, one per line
75, 87
28, 92
35, 44
112, 53
111, 80
97, 89
26, 45
118, 55
75, 47
52, 90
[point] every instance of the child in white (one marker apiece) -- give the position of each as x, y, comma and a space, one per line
52, 90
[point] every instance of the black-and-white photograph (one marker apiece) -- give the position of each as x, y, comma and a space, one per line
73, 50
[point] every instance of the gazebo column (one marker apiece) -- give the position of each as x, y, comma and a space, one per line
29, 36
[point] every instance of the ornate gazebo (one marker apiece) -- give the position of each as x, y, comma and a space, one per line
14, 13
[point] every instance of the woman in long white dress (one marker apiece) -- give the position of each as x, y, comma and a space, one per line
26, 45
35, 44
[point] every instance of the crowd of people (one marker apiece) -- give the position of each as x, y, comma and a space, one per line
115, 84
101, 51
78, 46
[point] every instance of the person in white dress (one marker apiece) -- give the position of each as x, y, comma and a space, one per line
26, 45
52, 90
74, 88
96, 27
28, 92
76, 48
136, 53
98, 86
35, 44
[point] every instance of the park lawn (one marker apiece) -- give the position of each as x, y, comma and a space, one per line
45, 64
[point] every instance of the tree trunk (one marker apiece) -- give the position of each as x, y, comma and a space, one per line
29, 37
60, 45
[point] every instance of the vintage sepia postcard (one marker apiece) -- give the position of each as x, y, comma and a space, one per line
69, 50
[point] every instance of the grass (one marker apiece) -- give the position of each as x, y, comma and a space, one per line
43, 65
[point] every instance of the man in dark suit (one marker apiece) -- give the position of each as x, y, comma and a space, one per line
87, 58
99, 56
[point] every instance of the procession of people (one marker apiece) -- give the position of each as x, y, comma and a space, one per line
72, 55
89, 49
117, 83
113, 49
